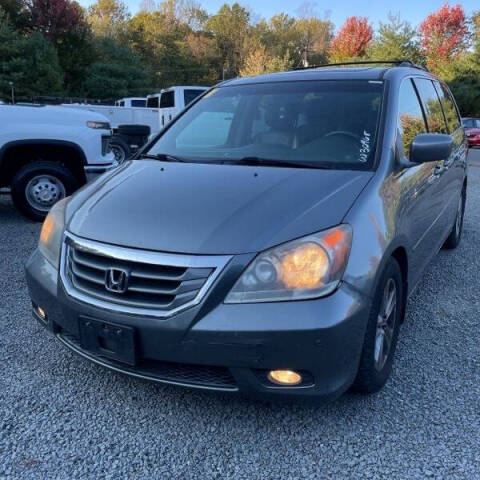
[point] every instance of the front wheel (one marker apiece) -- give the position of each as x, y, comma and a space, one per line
120, 149
382, 331
39, 185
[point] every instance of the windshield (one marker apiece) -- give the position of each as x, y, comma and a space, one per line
317, 123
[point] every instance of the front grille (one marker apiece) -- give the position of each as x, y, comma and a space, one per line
151, 284
105, 144
206, 376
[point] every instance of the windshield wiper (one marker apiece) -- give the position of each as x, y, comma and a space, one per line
163, 157
258, 161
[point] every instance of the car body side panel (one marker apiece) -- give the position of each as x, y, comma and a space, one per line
396, 210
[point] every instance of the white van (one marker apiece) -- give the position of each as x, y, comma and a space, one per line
173, 100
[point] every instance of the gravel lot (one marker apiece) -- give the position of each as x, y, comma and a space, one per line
64, 418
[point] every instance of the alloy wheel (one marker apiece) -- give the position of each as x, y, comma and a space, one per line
385, 324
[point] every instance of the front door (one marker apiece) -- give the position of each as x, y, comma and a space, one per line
418, 184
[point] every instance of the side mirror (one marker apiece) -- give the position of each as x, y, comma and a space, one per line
430, 147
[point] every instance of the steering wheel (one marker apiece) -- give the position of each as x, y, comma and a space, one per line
343, 133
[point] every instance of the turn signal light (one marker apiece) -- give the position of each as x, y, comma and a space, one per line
284, 377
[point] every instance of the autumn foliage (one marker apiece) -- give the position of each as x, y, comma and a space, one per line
352, 39
444, 34
55, 18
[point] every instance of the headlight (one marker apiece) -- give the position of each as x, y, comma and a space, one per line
52, 232
98, 125
309, 267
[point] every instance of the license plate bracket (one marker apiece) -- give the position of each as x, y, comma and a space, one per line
110, 340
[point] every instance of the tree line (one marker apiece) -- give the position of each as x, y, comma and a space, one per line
56, 47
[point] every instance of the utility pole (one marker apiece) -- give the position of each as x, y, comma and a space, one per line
13, 92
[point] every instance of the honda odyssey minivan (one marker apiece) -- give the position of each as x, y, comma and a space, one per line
266, 241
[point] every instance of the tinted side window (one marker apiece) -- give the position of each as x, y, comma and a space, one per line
432, 106
152, 102
138, 103
191, 95
167, 100
410, 115
451, 113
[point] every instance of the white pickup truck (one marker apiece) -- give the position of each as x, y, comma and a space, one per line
161, 108
46, 153
132, 102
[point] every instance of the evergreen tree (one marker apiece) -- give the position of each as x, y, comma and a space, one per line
117, 72
396, 40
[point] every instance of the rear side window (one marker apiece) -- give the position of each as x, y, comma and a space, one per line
138, 103
167, 100
451, 113
432, 106
152, 102
190, 95
410, 116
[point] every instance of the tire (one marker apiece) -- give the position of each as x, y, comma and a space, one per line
455, 236
374, 370
39, 185
134, 130
120, 149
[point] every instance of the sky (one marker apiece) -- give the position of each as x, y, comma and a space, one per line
376, 10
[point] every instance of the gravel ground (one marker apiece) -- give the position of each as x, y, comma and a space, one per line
64, 418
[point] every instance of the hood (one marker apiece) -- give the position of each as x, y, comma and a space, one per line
211, 209
46, 114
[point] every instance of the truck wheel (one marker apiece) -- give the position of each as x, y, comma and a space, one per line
39, 185
120, 149
382, 331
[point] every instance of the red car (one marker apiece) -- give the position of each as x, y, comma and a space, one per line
472, 130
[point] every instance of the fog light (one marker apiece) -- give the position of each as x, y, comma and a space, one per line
40, 312
284, 377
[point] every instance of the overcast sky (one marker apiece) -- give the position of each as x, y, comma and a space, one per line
377, 10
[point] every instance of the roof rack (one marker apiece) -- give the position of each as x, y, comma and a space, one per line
396, 63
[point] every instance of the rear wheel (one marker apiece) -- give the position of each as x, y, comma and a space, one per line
455, 236
382, 331
39, 185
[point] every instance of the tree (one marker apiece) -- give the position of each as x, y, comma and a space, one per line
476, 32
12, 62
17, 13
351, 40
444, 35
230, 27
396, 40
257, 60
314, 39
54, 18
279, 35
117, 72
30, 62
63, 22
108, 18
187, 12
43, 74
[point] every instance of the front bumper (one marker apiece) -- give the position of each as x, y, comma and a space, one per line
224, 347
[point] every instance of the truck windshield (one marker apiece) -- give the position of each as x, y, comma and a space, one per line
328, 124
